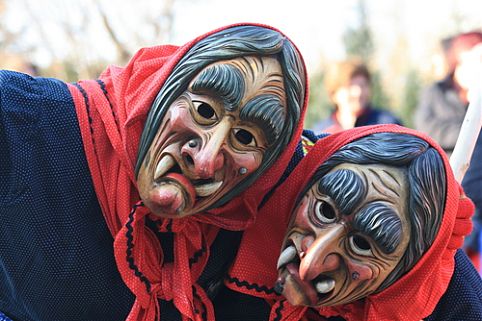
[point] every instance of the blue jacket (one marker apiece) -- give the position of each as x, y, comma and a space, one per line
56, 253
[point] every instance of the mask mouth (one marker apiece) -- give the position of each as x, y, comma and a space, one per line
206, 187
171, 195
316, 290
202, 187
324, 286
289, 255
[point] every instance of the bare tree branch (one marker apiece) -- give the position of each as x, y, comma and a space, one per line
122, 52
40, 29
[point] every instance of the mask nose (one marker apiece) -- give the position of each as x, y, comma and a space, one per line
320, 253
205, 160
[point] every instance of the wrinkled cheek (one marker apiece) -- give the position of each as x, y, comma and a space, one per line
180, 119
176, 121
301, 214
361, 272
164, 129
250, 161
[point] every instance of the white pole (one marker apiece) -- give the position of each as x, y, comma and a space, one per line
469, 132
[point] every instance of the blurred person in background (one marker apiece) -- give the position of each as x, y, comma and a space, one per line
348, 84
442, 105
442, 109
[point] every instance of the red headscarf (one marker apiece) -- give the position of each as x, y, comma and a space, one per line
112, 112
412, 297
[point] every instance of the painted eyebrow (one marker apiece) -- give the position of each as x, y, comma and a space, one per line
267, 112
382, 224
223, 80
345, 187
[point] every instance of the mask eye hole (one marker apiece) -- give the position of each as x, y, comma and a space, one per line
360, 245
205, 110
244, 137
324, 212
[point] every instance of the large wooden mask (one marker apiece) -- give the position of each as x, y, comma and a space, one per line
206, 143
364, 219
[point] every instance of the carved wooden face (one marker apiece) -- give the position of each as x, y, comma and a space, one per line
347, 234
213, 136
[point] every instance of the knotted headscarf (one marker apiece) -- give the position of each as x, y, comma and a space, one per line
412, 297
112, 112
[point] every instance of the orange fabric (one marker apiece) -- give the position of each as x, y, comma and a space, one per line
111, 128
412, 297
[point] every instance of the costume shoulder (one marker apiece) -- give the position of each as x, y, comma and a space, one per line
26, 102
463, 299
52, 228
15, 85
36, 116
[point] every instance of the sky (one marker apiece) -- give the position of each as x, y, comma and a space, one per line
315, 26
